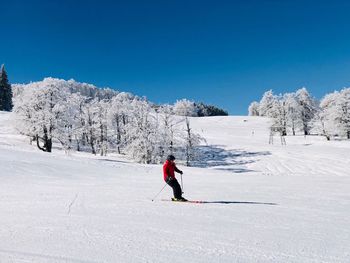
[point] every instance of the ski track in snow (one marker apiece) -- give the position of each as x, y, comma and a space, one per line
83, 208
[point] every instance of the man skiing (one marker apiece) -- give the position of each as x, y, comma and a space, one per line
169, 169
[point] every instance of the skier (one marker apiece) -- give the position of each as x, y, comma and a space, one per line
169, 169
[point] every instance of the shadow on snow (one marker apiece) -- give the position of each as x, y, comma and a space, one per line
234, 202
217, 157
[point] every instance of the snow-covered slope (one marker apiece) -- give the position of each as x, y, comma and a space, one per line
304, 156
265, 203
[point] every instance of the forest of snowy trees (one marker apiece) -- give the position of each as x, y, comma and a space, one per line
300, 112
81, 117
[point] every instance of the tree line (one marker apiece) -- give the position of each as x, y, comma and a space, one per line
300, 112
56, 110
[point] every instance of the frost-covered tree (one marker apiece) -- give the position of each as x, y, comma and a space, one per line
299, 111
118, 118
167, 131
142, 133
152, 135
76, 110
191, 141
84, 89
308, 107
293, 112
25, 119
278, 113
67, 125
100, 122
266, 103
5, 91
343, 113
335, 113
40, 110
324, 122
90, 91
253, 109
90, 126
54, 111
185, 108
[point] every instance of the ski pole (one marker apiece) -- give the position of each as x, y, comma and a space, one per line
159, 192
182, 186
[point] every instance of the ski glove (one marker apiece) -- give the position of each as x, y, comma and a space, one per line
181, 172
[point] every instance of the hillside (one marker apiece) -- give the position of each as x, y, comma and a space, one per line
264, 203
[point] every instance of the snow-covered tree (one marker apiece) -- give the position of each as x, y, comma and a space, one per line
185, 108
266, 103
343, 113
66, 125
55, 111
100, 122
253, 109
90, 127
118, 117
41, 110
167, 131
142, 133
308, 107
324, 122
191, 141
278, 113
90, 91
319, 127
77, 104
84, 89
25, 119
5, 91
293, 112
335, 113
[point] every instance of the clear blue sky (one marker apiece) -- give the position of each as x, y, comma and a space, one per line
221, 52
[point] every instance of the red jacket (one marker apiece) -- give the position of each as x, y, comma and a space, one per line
169, 169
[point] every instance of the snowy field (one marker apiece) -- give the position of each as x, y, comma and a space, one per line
264, 203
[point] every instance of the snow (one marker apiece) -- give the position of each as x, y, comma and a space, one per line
265, 203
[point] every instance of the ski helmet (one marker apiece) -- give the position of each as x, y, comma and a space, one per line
171, 157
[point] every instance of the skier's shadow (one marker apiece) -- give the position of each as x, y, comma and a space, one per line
236, 202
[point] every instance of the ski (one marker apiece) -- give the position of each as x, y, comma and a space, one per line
188, 201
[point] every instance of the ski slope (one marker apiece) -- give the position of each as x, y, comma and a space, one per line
264, 203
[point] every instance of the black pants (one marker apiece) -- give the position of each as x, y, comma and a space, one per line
176, 188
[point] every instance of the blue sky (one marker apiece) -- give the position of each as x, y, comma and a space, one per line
225, 53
